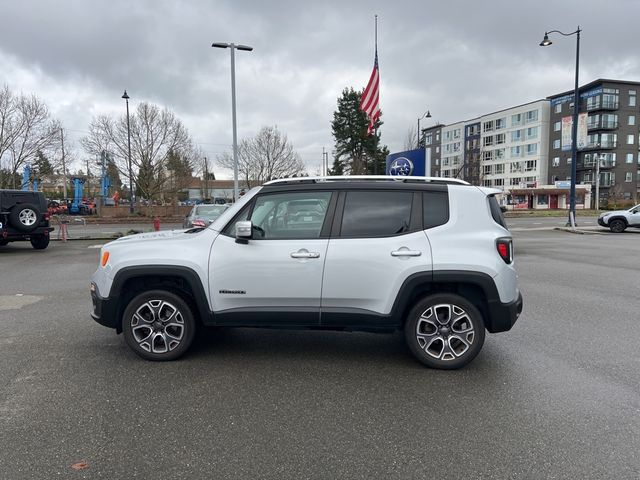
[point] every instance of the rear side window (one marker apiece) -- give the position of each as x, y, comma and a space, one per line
496, 213
376, 214
435, 208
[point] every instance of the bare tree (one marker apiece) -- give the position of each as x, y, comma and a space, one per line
25, 129
411, 139
155, 133
267, 156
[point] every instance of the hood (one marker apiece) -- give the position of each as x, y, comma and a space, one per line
154, 236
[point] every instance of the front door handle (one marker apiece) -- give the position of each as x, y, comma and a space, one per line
303, 253
405, 252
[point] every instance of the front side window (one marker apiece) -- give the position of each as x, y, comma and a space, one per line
376, 213
289, 215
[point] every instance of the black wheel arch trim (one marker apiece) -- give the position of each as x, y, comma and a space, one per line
111, 307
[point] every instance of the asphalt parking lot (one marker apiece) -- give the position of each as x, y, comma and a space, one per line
556, 397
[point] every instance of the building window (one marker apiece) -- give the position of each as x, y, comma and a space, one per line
543, 199
557, 126
629, 157
499, 153
632, 120
532, 132
628, 177
568, 160
499, 169
499, 138
609, 101
501, 123
531, 116
428, 139
487, 155
487, 141
437, 149
532, 149
516, 119
516, 135
437, 162
632, 98
555, 162
515, 152
498, 182
487, 126
630, 139
515, 167
487, 169
530, 165
514, 181
558, 108
556, 144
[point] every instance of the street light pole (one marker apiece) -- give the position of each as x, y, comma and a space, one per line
426, 114
233, 48
131, 197
598, 182
574, 127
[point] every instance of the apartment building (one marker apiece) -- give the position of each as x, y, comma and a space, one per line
612, 142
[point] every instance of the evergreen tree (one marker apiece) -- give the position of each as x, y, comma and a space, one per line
42, 164
356, 153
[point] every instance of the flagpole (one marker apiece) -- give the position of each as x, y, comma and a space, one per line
375, 132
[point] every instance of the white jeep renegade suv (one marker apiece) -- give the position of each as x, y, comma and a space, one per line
431, 256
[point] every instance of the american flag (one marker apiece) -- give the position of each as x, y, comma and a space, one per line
370, 102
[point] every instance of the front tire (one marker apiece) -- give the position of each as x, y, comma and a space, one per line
444, 331
617, 226
158, 325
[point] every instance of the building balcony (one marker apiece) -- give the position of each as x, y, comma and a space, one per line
603, 106
603, 144
602, 126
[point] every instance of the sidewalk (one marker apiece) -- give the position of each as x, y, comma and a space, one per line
79, 230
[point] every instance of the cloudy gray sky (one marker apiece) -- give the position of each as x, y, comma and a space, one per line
458, 59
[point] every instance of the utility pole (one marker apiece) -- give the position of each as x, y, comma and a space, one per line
64, 166
88, 181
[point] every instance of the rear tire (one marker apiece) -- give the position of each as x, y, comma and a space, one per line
444, 331
25, 217
4, 243
39, 242
158, 325
617, 226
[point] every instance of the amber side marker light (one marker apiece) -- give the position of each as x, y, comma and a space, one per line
105, 258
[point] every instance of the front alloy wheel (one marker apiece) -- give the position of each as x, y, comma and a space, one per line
617, 226
444, 331
158, 325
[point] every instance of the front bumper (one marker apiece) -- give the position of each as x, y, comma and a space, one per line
105, 310
502, 316
601, 222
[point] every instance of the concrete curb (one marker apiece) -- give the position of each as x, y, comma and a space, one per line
579, 231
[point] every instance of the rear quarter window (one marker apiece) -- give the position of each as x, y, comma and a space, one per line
435, 208
496, 213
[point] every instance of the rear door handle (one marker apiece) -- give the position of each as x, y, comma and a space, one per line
405, 252
304, 254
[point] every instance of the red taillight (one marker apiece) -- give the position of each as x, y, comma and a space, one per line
46, 216
505, 249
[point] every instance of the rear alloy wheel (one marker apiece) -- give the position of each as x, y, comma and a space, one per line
158, 325
24, 217
617, 226
39, 242
444, 331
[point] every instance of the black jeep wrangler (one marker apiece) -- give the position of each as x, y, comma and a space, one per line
24, 216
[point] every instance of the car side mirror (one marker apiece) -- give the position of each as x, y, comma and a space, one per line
243, 231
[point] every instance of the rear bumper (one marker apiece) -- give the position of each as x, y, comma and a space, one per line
13, 235
502, 316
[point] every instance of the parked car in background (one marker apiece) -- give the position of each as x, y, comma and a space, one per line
203, 215
618, 220
24, 216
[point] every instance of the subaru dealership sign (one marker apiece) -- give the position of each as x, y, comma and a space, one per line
409, 163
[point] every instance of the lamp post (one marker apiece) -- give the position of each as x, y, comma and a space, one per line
131, 197
574, 127
233, 48
426, 114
